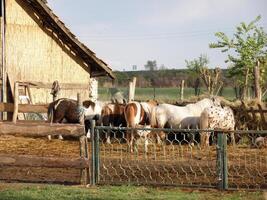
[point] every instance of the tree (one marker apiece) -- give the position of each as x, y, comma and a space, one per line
210, 77
247, 48
151, 65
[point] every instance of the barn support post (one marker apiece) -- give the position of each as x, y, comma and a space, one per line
92, 130
222, 169
80, 108
16, 102
3, 90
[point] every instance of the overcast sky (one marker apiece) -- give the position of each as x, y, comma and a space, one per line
124, 33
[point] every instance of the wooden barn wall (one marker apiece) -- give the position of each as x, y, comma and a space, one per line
35, 54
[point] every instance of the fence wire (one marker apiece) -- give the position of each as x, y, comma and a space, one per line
180, 159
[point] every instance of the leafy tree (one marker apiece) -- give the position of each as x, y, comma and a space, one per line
210, 77
151, 65
245, 49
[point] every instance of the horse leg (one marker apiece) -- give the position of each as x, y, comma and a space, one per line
108, 137
232, 135
204, 138
131, 141
207, 143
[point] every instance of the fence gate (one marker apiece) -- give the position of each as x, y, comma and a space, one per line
178, 161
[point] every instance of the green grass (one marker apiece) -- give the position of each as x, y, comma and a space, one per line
162, 94
58, 192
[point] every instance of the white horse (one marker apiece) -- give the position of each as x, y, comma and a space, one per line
167, 115
216, 117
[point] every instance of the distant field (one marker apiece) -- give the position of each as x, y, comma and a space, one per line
162, 94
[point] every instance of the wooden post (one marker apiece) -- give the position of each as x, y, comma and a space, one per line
133, 87
130, 91
79, 100
80, 109
16, 102
3, 90
84, 154
182, 91
29, 94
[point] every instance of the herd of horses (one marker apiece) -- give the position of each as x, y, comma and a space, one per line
205, 114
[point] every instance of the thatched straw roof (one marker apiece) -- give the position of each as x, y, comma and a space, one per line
99, 67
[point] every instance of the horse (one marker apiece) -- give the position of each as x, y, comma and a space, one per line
137, 113
216, 117
67, 111
112, 114
171, 116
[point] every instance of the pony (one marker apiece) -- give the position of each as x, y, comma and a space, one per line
112, 114
171, 116
216, 117
67, 111
137, 113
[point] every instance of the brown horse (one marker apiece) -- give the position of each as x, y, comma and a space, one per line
113, 115
67, 111
137, 113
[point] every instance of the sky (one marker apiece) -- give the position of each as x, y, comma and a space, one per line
124, 33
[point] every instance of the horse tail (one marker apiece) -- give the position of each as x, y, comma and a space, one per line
106, 115
129, 114
153, 118
203, 120
50, 112
203, 124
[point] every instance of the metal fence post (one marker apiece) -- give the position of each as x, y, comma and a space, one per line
222, 168
97, 159
92, 130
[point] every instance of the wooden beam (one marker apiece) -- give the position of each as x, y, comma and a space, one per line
16, 102
41, 129
35, 161
64, 86
24, 108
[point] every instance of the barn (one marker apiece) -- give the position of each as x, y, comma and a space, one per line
38, 49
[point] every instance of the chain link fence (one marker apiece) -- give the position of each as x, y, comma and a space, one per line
179, 159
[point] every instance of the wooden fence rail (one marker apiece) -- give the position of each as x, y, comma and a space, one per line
41, 129
35, 161
24, 108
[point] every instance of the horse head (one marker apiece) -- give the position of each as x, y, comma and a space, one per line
216, 101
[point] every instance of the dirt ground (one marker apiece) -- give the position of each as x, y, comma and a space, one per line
175, 165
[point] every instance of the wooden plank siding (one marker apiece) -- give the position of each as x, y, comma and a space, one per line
36, 53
